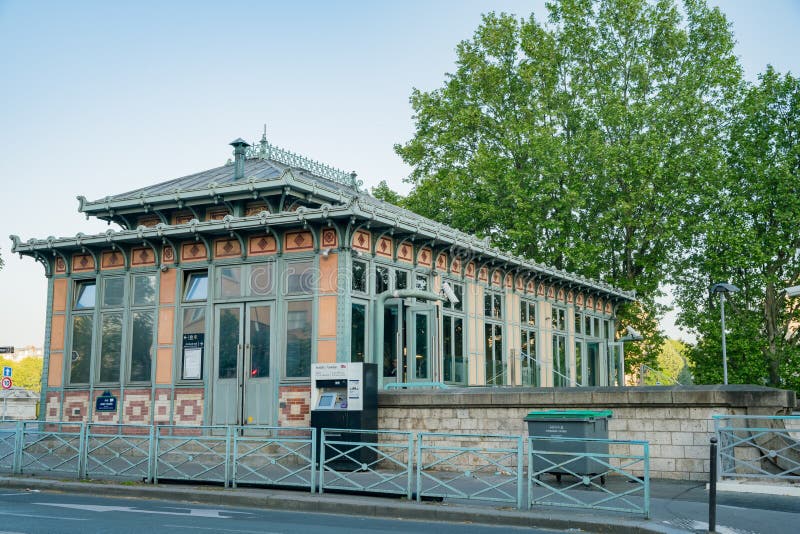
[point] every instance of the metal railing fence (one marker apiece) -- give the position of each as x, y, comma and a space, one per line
476, 467
470, 466
370, 461
274, 456
763, 447
599, 474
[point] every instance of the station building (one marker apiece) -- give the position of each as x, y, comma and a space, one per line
220, 289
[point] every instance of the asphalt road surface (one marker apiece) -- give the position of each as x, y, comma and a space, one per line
33, 512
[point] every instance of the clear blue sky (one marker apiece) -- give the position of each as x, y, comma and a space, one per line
102, 97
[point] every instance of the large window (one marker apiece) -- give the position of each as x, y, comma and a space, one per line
298, 338
359, 279
250, 280
300, 278
528, 331
142, 327
113, 302
560, 364
80, 361
453, 347
493, 338
358, 332
193, 325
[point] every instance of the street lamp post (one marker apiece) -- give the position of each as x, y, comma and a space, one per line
722, 289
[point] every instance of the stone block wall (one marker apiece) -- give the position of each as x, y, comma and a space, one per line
675, 421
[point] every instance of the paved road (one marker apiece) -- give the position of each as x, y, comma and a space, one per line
43, 512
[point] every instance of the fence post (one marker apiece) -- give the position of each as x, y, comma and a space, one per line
313, 459
19, 443
150, 455
419, 466
82, 449
712, 487
520, 469
322, 460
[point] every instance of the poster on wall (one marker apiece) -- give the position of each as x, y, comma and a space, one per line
193, 345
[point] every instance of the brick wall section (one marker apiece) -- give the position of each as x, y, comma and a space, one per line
136, 407
161, 410
295, 406
76, 400
53, 406
189, 406
677, 422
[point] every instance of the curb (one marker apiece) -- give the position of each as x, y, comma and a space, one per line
341, 504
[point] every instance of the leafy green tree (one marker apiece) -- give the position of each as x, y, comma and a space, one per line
580, 141
672, 364
750, 236
383, 192
27, 372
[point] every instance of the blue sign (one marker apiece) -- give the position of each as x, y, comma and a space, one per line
106, 403
7, 371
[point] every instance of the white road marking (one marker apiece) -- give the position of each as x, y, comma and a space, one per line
44, 516
193, 512
192, 527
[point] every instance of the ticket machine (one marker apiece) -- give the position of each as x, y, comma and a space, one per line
344, 396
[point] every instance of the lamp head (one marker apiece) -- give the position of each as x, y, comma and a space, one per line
793, 291
724, 287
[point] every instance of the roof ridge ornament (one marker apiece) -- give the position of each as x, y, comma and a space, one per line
266, 151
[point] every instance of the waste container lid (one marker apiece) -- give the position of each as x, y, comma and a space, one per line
568, 414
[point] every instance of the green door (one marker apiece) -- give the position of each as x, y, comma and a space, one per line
420, 343
243, 369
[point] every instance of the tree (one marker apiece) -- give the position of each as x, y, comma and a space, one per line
673, 365
27, 372
383, 192
579, 142
750, 228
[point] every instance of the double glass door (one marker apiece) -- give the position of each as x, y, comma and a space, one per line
244, 368
409, 342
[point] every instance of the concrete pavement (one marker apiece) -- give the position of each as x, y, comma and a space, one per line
675, 506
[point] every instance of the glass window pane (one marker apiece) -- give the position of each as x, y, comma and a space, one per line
229, 282
488, 357
458, 289
596, 331
498, 306
110, 347
487, 305
447, 348
587, 322
578, 363
360, 276
578, 323
421, 282
401, 279
144, 290
458, 349
197, 286
141, 346
421, 356
259, 341
532, 314
81, 354
229, 327
381, 279
260, 280
390, 328
113, 292
523, 313
298, 338
85, 295
300, 277
358, 332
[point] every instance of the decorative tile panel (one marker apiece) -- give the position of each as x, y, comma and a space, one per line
136, 408
167, 254
405, 252
193, 251
183, 217
148, 220
261, 245
425, 257
227, 248
483, 275
112, 259
441, 262
141, 257
189, 406
82, 263
298, 241
295, 406
455, 266
61, 267
216, 214
471, 270
254, 208
329, 238
362, 241
384, 247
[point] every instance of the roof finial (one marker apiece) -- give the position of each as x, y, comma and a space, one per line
263, 144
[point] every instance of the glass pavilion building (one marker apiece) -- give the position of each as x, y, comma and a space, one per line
220, 289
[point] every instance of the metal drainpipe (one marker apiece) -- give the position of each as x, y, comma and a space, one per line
380, 304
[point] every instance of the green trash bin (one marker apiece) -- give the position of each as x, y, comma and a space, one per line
568, 424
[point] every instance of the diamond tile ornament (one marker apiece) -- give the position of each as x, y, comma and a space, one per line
84, 261
195, 250
262, 243
227, 247
299, 239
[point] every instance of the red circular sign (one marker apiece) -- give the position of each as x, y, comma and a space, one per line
7, 383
